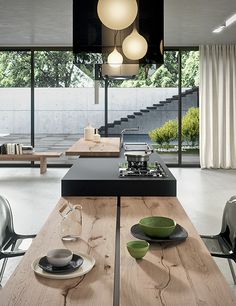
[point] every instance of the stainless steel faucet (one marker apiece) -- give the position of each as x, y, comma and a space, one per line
123, 132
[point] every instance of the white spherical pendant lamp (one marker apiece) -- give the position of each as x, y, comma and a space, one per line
117, 14
134, 46
115, 59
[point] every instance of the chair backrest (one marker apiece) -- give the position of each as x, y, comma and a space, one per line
228, 229
6, 222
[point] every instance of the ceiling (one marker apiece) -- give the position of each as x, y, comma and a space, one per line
34, 23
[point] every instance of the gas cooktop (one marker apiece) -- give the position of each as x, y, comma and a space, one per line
142, 169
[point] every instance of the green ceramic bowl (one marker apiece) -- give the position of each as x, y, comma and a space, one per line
137, 248
157, 226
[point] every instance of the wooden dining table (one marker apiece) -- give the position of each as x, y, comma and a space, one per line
182, 273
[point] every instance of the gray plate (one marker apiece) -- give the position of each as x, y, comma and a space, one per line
74, 264
179, 234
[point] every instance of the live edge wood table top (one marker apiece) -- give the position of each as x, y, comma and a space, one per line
108, 146
181, 274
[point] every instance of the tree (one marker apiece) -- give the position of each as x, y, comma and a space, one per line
167, 74
52, 69
15, 69
162, 78
190, 126
57, 69
190, 69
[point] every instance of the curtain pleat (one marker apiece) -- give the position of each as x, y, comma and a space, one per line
217, 96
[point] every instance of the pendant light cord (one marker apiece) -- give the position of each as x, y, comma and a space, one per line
115, 35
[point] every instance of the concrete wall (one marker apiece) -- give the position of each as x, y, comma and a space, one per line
68, 110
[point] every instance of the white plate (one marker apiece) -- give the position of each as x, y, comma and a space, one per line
87, 265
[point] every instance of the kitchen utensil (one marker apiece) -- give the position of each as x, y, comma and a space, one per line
157, 226
71, 223
137, 248
59, 257
72, 265
137, 156
179, 234
88, 263
137, 146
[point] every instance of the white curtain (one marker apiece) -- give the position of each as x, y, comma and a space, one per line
218, 106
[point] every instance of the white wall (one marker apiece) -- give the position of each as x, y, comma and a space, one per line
68, 110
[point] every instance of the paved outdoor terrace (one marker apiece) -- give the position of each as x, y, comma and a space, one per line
61, 142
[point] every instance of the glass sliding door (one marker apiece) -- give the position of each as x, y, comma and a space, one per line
65, 99
64, 102
15, 92
165, 135
149, 102
190, 107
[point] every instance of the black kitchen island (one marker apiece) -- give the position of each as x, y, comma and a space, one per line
100, 177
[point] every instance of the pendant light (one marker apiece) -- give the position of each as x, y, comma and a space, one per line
134, 45
115, 58
117, 14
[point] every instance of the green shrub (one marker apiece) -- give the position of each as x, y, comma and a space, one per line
169, 131
190, 126
157, 136
165, 134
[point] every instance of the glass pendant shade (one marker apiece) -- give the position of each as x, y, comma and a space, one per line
115, 59
117, 14
134, 46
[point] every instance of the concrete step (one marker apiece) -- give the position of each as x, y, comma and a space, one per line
155, 115
117, 122
158, 104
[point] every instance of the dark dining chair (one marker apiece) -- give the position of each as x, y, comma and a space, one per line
223, 245
10, 242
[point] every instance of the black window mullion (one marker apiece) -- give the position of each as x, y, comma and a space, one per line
32, 112
180, 109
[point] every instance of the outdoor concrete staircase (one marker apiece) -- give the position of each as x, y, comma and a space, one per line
154, 116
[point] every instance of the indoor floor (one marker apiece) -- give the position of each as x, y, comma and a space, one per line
203, 194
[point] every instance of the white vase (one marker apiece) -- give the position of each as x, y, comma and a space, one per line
89, 132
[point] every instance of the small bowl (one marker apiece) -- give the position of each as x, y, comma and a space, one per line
59, 257
137, 248
157, 226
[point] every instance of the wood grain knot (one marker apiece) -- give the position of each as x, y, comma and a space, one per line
107, 267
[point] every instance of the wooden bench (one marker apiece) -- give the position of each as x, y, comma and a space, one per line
36, 156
